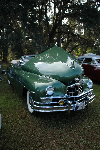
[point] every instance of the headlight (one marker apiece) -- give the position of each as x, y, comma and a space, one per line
49, 90
90, 84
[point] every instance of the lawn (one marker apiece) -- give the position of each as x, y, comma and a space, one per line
46, 131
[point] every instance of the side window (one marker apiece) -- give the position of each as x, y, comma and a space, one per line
80, 60
87, 60
93, 62
98, 60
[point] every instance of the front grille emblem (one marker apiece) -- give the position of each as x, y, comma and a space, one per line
74, 89
72, 65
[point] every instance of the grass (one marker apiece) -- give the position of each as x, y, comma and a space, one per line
46, 131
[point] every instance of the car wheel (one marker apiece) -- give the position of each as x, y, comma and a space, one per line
9, 82
29, 101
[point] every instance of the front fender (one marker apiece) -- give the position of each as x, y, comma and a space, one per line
38, 84
85, 80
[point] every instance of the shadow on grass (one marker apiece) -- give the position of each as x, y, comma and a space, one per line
63, 119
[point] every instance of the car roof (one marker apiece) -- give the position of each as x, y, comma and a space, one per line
89, 56
96, 57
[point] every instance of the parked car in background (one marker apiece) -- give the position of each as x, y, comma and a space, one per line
23, 59
81, 58
15, 61
91, 65
26, 58
52, 81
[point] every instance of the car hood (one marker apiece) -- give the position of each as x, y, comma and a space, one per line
55, 63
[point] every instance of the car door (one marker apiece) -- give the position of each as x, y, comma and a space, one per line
88, 66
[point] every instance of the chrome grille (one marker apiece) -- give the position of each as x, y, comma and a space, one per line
74, 89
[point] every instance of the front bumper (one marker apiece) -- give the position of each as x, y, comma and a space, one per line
65, 103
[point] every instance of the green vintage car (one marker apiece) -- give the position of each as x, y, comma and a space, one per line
52, 81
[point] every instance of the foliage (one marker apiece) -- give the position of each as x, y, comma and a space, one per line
18, 25
33, 26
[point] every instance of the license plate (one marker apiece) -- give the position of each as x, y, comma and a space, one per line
79, 106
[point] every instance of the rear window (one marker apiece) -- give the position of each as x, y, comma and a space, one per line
98, 60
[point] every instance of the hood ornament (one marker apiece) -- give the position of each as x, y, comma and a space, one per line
72, 65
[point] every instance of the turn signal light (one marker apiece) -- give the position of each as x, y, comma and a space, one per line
61, 102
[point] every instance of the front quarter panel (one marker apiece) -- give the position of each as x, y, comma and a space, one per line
85, 80
38, 84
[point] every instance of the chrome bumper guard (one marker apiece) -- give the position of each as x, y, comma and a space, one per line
65, 103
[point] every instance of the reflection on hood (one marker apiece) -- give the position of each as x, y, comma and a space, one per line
55, 63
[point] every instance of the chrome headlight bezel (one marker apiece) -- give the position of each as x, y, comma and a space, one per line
90, 84
49, 90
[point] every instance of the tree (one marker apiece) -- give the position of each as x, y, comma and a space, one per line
17, 19
78, 13
29, 26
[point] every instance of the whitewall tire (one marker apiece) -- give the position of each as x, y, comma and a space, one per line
29, 102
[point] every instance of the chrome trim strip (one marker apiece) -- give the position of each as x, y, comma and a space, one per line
55, 108
76, 84
50, 108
